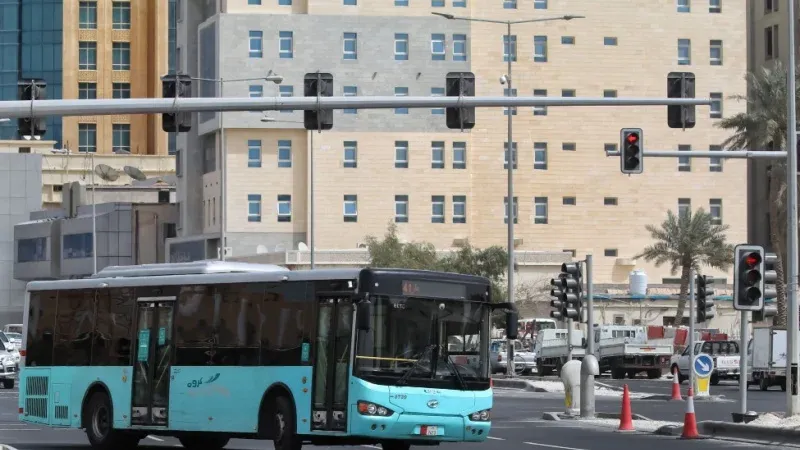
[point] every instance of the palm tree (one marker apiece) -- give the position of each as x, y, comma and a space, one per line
763, 126
688, 242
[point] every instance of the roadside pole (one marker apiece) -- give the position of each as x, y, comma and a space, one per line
793, 323
589, 366
743, 362
692, 313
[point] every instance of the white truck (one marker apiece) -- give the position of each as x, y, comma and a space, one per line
624, 349
552, 349
724, 353
767, 358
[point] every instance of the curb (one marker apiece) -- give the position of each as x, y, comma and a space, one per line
752, 433
522, 385
556, 416
712, 398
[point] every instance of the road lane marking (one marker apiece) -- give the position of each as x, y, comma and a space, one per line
155, 438
495, 438
373, 446
536, 444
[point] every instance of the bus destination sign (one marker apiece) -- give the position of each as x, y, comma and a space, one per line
434, 289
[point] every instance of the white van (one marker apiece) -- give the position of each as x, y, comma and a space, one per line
13, 328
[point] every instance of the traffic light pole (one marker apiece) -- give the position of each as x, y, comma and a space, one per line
589, 307
692, 318
732, 154
743, 339
793, 323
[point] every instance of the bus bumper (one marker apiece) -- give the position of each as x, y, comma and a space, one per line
413, 427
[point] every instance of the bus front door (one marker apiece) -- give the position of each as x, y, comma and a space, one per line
151, 370
331, 368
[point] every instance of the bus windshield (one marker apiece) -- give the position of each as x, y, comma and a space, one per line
425, 342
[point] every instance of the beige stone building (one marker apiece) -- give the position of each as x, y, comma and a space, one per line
445, 186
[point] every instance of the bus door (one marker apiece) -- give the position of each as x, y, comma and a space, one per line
332, 365
151, 370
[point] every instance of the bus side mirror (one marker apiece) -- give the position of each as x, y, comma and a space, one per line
363, 316
512, 323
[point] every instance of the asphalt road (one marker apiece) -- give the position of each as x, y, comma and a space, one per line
517, 424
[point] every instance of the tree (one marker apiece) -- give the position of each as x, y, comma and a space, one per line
764, 126
688, 242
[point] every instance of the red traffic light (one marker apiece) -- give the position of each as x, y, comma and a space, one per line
632, 138
752, 259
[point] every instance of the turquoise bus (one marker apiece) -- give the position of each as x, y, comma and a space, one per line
210, 351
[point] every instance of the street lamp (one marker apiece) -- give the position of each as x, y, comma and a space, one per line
267, 119
277, 79
506, 79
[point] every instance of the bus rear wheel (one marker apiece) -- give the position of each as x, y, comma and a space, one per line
204, 442
98, 418
285, 437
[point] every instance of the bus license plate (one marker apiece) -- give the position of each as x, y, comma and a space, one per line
427, 430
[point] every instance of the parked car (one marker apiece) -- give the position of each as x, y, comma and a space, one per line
524, 360
8, 369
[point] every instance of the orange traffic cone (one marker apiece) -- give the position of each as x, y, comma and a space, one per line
625, 418
689, 420
676, 385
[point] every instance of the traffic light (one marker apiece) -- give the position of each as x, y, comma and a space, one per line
460, 84
768, 311
750, 276
680, 85
631, 157
32, 127
770, 290
318, 85
704, 294
176, 86
568, 290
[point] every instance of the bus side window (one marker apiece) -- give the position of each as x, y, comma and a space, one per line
41, 324
287, 314
113, 327
237, 325
193, 318
74, 327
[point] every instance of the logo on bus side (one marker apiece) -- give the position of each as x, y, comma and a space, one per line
433, 403
199, 382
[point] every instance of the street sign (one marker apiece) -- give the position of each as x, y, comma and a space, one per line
703, 366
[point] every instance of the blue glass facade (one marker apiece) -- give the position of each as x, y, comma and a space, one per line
31, 47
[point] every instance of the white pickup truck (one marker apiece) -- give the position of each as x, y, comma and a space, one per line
724, 353
552, 349
624, 349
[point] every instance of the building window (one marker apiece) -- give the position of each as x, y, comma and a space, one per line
437, 92
684, 52
121, 15
609, 147
540, 210
569, 146
284, 208
569, 201
716, 105
256, 44
286, 44
121, 138
87, 91
121, 56
516, 209
459, 3
438, 48
609, 93
350, 46
32, 250
437, 209
715, 6
350, 91
510, 93
400, 2
350, 2
87, 55
540, 110
715, 164
715, 52
514, 154
610, 252
253, 2
437, 3
284, 153
610, 201
459, 209
684, 206
254, 153
401, 92
87, 12
459, 155
286, 91
401, 154
684, 6
254, 208
401, 46
509, 48
539, 49
401, 208
350, 154
437, 155
351, 208
459, 47
771, 6
87, 137
771, 39
121, 90
539, 4
568, 93
256, 91
509, 4
684, 162
284, 2
610, 41
76, 246
540, 155
715, 209
567, 40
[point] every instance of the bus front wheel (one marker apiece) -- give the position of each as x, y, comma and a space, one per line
285, 437
98, 419
204, 442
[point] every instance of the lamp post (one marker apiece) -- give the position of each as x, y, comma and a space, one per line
267, 119
510, 208
277, 79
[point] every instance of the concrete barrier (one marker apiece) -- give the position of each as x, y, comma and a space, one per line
739, 432
513, 383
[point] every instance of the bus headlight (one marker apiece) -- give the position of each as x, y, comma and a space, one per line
481, 416
372, 409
